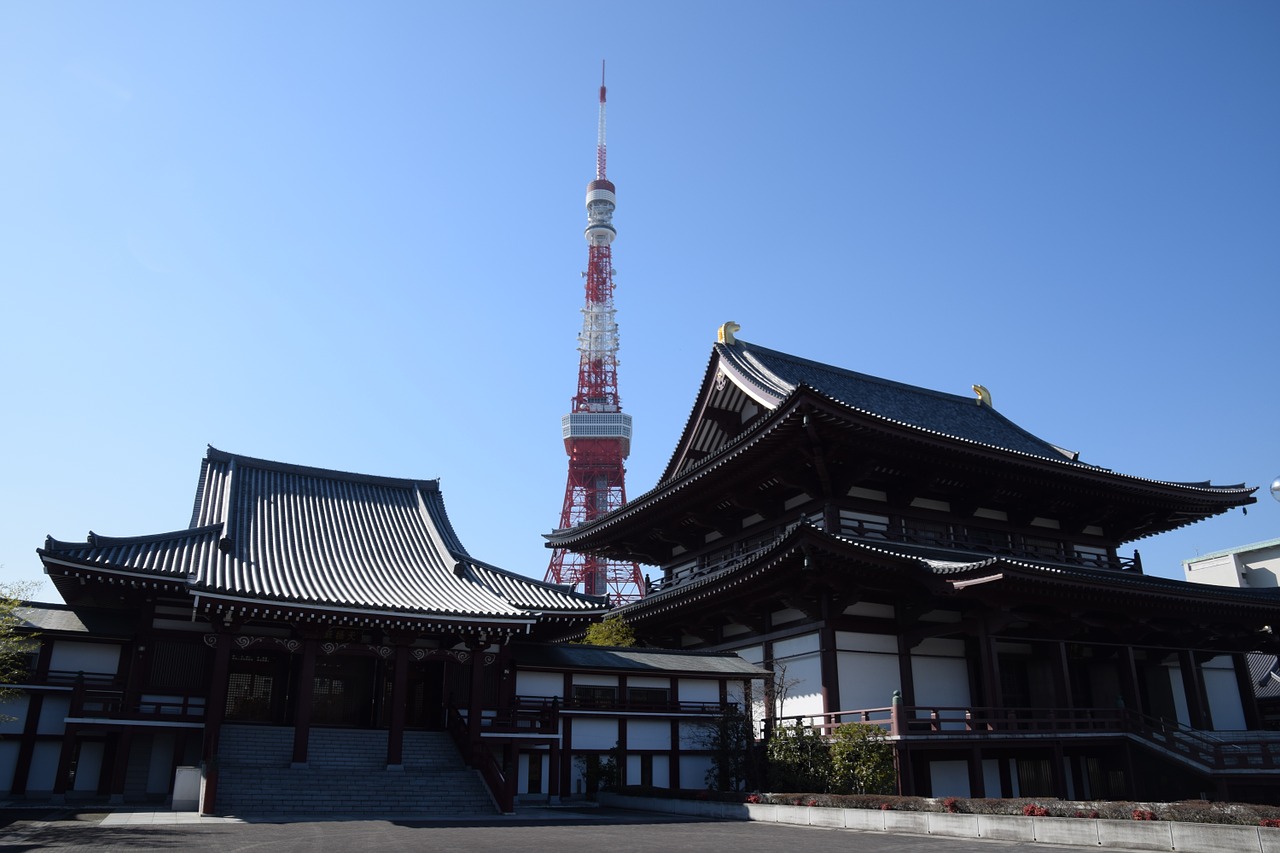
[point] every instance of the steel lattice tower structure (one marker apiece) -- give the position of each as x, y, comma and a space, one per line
597, 433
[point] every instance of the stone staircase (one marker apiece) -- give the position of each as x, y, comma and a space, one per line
346, 774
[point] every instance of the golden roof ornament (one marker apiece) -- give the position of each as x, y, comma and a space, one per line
725, 334
984, 396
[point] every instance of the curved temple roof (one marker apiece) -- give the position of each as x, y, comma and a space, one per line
308, 537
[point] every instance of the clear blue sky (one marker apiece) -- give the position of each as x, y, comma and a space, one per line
350, 236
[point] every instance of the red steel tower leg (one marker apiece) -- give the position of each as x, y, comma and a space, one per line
597, 433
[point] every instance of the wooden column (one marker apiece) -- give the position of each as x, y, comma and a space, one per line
977, 779
304, 700
399, 701
475, 704
215, 710
31, 724
830, 668
566, 758
1062, 674
906, 677
1248, 700
989, 665
1130, 690
1193, 687
120, 766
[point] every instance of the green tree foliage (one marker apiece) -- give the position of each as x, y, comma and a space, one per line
730, 742
16, 645
799, 759
861, 760
610, 632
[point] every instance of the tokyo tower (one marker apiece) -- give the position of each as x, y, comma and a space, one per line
597, 434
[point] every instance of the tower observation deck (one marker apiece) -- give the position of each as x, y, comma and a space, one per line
596, 432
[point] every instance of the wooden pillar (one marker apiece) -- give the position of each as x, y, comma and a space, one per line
989, 666
1059, 768
554, 788
1130, 690
566, 758
830, 667
120, 766
906, 677
673, 770
1062, 675
1006, 777
475, 703
1193, 687
399, 702
215, 710
1248, 699
27, 746
977, 779
304, 700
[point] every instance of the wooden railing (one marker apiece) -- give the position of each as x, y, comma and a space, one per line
96, 697
499, 783
1213, 752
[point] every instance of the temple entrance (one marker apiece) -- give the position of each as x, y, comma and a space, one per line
257, 687
342, 691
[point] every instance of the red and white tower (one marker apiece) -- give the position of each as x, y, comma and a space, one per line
597, 434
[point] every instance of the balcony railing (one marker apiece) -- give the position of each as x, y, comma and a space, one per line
1214, 752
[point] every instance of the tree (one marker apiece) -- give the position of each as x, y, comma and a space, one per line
799, 759
730, 742
861, 760
15, 644
613, 631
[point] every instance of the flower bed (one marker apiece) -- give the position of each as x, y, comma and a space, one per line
1185, 811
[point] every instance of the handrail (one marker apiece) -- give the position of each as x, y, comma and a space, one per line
1210, 751
481, 760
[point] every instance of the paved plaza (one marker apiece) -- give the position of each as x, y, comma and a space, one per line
533, 831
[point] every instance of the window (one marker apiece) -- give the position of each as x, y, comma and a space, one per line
643, 698
593, 696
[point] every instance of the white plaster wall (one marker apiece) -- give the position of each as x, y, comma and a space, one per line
866, 680
1179, 695
648, 681
1224, 694
160, 774
544, 684
8, 763
522, 782
793, 646
16, 708
693, 770
595, 732
89, 767
949, 778
648, 734
991, 776
53, 715
941, 682
98, 658
44, 766
804, 677
699, 690
662, 771
593, 680
630, 771
857, 642
693, 734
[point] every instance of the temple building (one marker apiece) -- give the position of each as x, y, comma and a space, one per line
914, 559
317, 641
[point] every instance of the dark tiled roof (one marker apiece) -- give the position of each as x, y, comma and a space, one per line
61, 619
775, 375
584, 657
267, 531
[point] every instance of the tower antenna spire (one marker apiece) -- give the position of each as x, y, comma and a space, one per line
596, 432
600, 148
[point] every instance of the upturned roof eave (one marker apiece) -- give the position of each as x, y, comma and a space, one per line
1230, 496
